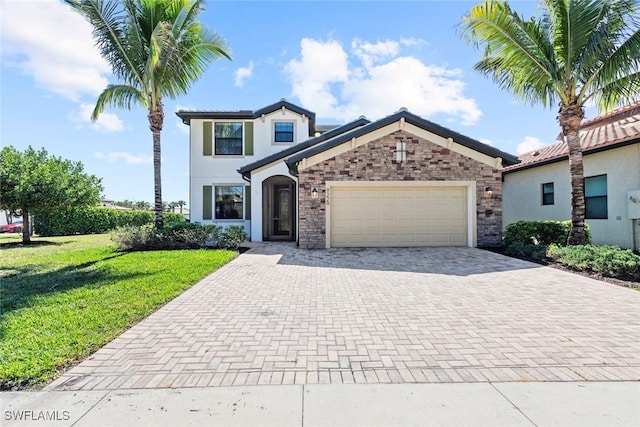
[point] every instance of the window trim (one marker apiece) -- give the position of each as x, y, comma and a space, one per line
552, 193
273, 132
215, 145
214, 207
605, 196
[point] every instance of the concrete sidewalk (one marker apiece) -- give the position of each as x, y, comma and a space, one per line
478, 404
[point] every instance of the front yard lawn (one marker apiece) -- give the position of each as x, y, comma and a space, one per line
63, 298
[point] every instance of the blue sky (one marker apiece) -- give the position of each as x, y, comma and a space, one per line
341, 59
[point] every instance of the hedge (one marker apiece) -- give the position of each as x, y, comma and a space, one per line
609, 261
540, 233
94, 220
179, 236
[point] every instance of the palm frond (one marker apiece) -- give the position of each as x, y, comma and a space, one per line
108, 22
517, 53
622, 91
623, 60
120, 96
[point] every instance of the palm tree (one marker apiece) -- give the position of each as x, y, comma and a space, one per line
156, 48
576, 52
181, 204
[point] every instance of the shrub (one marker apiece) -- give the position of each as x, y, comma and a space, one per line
178, 236
232, 237
526, 250
95, 220
539, 233
609, 261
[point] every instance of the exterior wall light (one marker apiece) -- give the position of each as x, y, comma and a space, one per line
314, 193
488, 191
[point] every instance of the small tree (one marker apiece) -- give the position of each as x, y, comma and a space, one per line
181, 204
33, 182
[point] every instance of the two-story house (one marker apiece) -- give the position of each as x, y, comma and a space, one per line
224, 141
398, 181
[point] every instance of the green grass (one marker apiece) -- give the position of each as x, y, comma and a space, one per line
65, 297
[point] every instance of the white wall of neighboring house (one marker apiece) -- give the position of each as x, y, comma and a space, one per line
522, 193
223, 170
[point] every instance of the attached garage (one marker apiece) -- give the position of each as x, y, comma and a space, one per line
399, 181
398, 215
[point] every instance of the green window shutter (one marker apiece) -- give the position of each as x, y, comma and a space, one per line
247, 202
248, 138
207, 139
207, 202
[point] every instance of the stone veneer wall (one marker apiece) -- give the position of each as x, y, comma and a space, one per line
375, 161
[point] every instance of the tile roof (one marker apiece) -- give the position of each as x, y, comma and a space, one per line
620, 127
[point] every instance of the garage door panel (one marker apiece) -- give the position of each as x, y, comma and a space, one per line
398, 216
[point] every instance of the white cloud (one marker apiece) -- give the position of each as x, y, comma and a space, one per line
242, 74
127, 157
529, 143
370, 53
412, 41
107, 122
321, 64
325, 81
46, 40
486, 141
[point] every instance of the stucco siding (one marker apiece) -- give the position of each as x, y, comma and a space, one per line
257, 178
223, 170
523, 198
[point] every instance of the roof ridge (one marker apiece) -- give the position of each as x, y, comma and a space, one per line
615, 115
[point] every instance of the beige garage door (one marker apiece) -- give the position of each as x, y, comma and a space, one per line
398, 216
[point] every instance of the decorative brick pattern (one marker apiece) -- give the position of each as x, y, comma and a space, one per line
376, 161
279, 315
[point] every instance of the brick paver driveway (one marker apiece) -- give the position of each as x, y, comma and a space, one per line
281, 315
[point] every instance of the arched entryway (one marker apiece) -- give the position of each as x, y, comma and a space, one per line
279, 208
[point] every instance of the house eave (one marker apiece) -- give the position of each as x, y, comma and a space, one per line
405, 116
566, 156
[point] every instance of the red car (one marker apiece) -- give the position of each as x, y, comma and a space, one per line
16, 227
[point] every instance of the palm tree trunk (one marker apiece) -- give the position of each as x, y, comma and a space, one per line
26, 227
156, 118
570, 118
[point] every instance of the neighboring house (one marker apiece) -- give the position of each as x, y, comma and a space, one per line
398, 181
105, 203
539, 187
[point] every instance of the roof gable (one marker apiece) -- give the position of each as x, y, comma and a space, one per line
403, 117
246, 170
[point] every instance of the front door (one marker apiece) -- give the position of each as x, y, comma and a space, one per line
280, 211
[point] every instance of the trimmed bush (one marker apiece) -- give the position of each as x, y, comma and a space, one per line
526, 251
608, 261
178, 236
95, 220
539, 233
232, 237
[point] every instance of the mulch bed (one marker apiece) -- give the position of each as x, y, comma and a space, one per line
549, 263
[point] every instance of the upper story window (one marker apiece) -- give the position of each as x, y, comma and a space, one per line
548, 195
595, 197
283, 132
228, 139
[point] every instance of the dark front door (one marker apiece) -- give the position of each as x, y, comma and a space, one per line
280, 211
